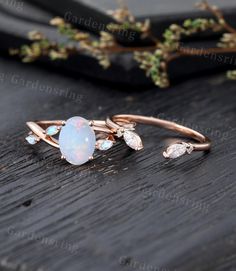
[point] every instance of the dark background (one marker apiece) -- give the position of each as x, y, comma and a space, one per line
124, 210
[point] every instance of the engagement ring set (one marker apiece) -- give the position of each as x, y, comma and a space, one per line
78, 138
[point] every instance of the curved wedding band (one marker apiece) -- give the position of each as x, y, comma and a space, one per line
204, 142
78, 138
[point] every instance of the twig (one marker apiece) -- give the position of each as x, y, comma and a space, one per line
218, 14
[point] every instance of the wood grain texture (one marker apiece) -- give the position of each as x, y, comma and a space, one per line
124, 210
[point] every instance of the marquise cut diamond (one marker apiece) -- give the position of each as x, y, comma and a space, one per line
133, 140
177, 150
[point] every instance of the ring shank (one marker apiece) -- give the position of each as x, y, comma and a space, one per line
204, 142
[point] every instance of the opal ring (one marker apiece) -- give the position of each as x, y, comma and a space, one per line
78, 138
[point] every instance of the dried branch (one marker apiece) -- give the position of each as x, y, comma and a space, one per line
152, 59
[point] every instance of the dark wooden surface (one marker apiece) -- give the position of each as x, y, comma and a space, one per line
124, 210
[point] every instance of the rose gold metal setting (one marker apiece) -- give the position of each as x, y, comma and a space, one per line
118, 124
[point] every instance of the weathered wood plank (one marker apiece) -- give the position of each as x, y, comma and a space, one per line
125, 210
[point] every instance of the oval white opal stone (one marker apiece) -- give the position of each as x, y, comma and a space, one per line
77, 141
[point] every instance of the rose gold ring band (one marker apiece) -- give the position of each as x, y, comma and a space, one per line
205, 142
118, 122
